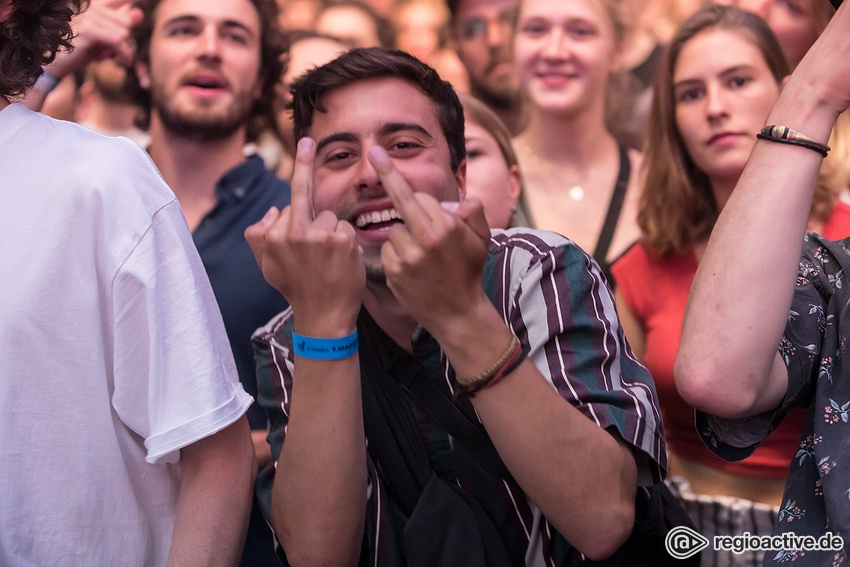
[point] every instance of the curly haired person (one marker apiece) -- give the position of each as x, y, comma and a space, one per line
123, 439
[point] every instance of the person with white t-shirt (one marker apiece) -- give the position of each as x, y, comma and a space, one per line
123, 439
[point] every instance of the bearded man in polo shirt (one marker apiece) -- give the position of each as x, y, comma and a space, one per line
205, 73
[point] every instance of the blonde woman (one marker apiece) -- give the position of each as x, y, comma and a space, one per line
577, 179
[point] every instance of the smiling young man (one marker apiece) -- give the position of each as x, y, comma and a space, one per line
205, 74
123, 439
534, 357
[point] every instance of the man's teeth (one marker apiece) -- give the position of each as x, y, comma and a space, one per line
375, 217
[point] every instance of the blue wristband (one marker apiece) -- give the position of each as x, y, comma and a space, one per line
325, 349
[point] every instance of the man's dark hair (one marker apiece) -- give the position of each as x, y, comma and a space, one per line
30, 39
273, 46
309, 91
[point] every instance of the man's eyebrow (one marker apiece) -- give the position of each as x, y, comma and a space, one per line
338, 137
393, 127
187, 19
239, 25
191, 19
384, 130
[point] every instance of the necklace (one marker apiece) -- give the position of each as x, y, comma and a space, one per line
549, 170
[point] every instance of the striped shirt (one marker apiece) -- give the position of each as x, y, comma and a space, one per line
555, 300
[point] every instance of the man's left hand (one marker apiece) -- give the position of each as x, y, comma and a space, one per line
433, 261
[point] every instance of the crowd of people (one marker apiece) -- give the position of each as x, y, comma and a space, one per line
422, 282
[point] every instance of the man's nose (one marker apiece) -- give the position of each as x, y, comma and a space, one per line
367, 177
209, 43
496, 32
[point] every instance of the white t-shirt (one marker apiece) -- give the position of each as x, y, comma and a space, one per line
113, 355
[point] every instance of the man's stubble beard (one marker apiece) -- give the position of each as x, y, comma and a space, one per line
503, 99
200, 125
503, 93
375, 273
111, 87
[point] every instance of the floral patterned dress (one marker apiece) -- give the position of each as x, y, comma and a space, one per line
817, 493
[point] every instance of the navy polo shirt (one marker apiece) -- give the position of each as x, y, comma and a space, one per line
246, 301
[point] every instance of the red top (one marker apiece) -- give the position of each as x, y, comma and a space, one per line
837, 226
655, 290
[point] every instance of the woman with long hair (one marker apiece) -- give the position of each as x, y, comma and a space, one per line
719, 78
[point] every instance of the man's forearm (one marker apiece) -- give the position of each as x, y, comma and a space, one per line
217, 479
319, 495
561, 459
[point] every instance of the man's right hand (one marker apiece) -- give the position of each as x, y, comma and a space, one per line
101, 31
315, 263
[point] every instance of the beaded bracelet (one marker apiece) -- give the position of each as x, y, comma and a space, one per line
786, 135
324, 349
507, 363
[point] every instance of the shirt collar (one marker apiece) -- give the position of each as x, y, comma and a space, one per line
235, 184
